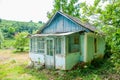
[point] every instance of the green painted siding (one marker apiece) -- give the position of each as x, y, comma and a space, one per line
82, 38
90, 51
71, 60
90, 47
100, 46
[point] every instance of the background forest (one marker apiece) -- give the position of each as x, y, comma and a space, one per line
14, 32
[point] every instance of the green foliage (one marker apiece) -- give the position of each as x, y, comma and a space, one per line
1, 38
21, 41
10, 28
8, 43
0, 20
109, 23
70, 7
111, 20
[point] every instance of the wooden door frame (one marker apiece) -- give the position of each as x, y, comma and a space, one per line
53, 49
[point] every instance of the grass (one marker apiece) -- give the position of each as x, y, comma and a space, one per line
8, 43
14, 67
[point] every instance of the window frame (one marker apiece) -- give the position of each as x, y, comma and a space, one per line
58, 45
71, 43
40, 45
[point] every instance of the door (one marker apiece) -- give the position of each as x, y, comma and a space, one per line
49, 59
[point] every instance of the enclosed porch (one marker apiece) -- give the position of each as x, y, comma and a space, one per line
59, 51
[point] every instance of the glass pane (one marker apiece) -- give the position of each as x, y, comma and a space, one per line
41, 51
47, 47
58, 46
51, 47
73, 44
40, 45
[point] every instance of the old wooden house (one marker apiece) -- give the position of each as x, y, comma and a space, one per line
64, 41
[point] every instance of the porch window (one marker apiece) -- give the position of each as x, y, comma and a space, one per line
33, 45
50, 47
40, 45
37, 45
73, 45
58, 45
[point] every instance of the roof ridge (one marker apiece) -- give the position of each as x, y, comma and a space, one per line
77, 20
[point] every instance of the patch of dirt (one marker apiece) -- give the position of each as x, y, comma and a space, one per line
3, 58
7, 54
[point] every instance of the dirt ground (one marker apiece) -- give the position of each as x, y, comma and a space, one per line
6, 55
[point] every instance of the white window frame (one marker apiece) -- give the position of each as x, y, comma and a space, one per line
33, 45
58, 45
40, 45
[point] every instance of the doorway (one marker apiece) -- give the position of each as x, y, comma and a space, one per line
50, 55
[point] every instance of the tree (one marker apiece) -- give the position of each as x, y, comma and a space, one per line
1, 38
21, 41
70, 7
108, 20
0, 20
40, 22
111, 19
10, 28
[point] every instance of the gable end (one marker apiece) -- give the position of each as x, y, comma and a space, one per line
61, 23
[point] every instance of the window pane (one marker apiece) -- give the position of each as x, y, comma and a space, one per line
47, 47
58, 45
35, 45
76, 40
40, 45
73, 44
51, 47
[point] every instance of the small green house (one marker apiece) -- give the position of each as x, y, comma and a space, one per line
64, 41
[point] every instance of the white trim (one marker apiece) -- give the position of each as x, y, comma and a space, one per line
51, 19
53, 34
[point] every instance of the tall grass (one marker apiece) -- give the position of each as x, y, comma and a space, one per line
8, 43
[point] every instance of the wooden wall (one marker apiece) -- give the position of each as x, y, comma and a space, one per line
62, 24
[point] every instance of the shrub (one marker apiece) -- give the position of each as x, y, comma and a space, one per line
21, 41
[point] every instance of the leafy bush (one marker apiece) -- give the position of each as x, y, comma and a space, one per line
21, 41
114, 42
